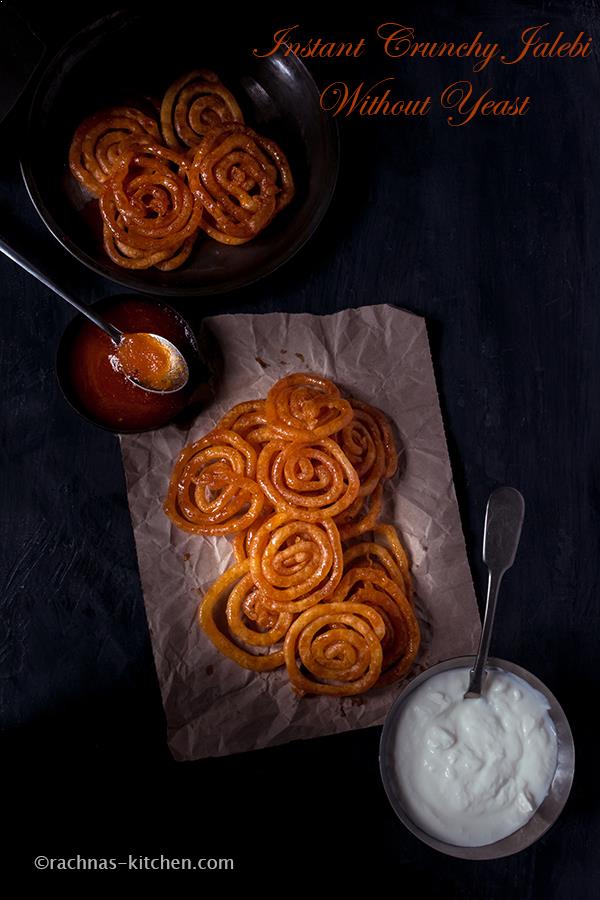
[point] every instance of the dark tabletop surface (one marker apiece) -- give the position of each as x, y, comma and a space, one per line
492, 232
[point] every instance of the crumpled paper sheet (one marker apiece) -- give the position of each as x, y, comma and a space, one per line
379, 354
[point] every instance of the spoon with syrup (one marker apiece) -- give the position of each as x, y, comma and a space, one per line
504, 516
149, 361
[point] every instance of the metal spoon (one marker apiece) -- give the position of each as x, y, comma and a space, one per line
178, 372
503, 522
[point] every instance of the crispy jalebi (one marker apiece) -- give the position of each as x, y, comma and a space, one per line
372, 555
313, 480
99, 141
339, 645
306, 407
389, 536
361, 516
242, 541
249, 420
361, 440
193, 105
212, 488
242, 180
402, 637
387, 437
150, 215
296, 564
239, 589
249, 618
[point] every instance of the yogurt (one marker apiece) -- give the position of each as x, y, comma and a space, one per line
471, 772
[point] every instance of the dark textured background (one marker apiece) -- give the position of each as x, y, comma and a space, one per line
491, 231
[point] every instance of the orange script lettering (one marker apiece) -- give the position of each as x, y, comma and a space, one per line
338, 98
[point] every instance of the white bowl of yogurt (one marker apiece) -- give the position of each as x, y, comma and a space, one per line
479, 778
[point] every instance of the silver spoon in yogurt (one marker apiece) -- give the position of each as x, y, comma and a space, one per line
165, 369
504, 516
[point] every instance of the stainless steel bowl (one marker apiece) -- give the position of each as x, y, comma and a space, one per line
546, 814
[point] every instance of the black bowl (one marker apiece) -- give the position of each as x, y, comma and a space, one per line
193, 394
124, 58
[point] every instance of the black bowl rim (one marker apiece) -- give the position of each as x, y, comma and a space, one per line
114, 20
79, 409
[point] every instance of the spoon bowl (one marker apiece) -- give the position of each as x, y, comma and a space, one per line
145, 372
166, 369
131, 312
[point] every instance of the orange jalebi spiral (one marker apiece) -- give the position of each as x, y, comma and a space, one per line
235, 585
362, 443
242, 541
294, 563
150, 215
133, 258
313, 480
212, 488
368, 554
361, 516
385, 430
100, 140
306, 407
242, 180
402, 636
339, 645
391, 540
193, 105
250, 620
248, 419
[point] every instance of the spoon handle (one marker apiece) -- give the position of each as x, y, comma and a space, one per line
503, 523
114, 333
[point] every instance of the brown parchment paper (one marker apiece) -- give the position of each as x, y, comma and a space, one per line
380, 354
